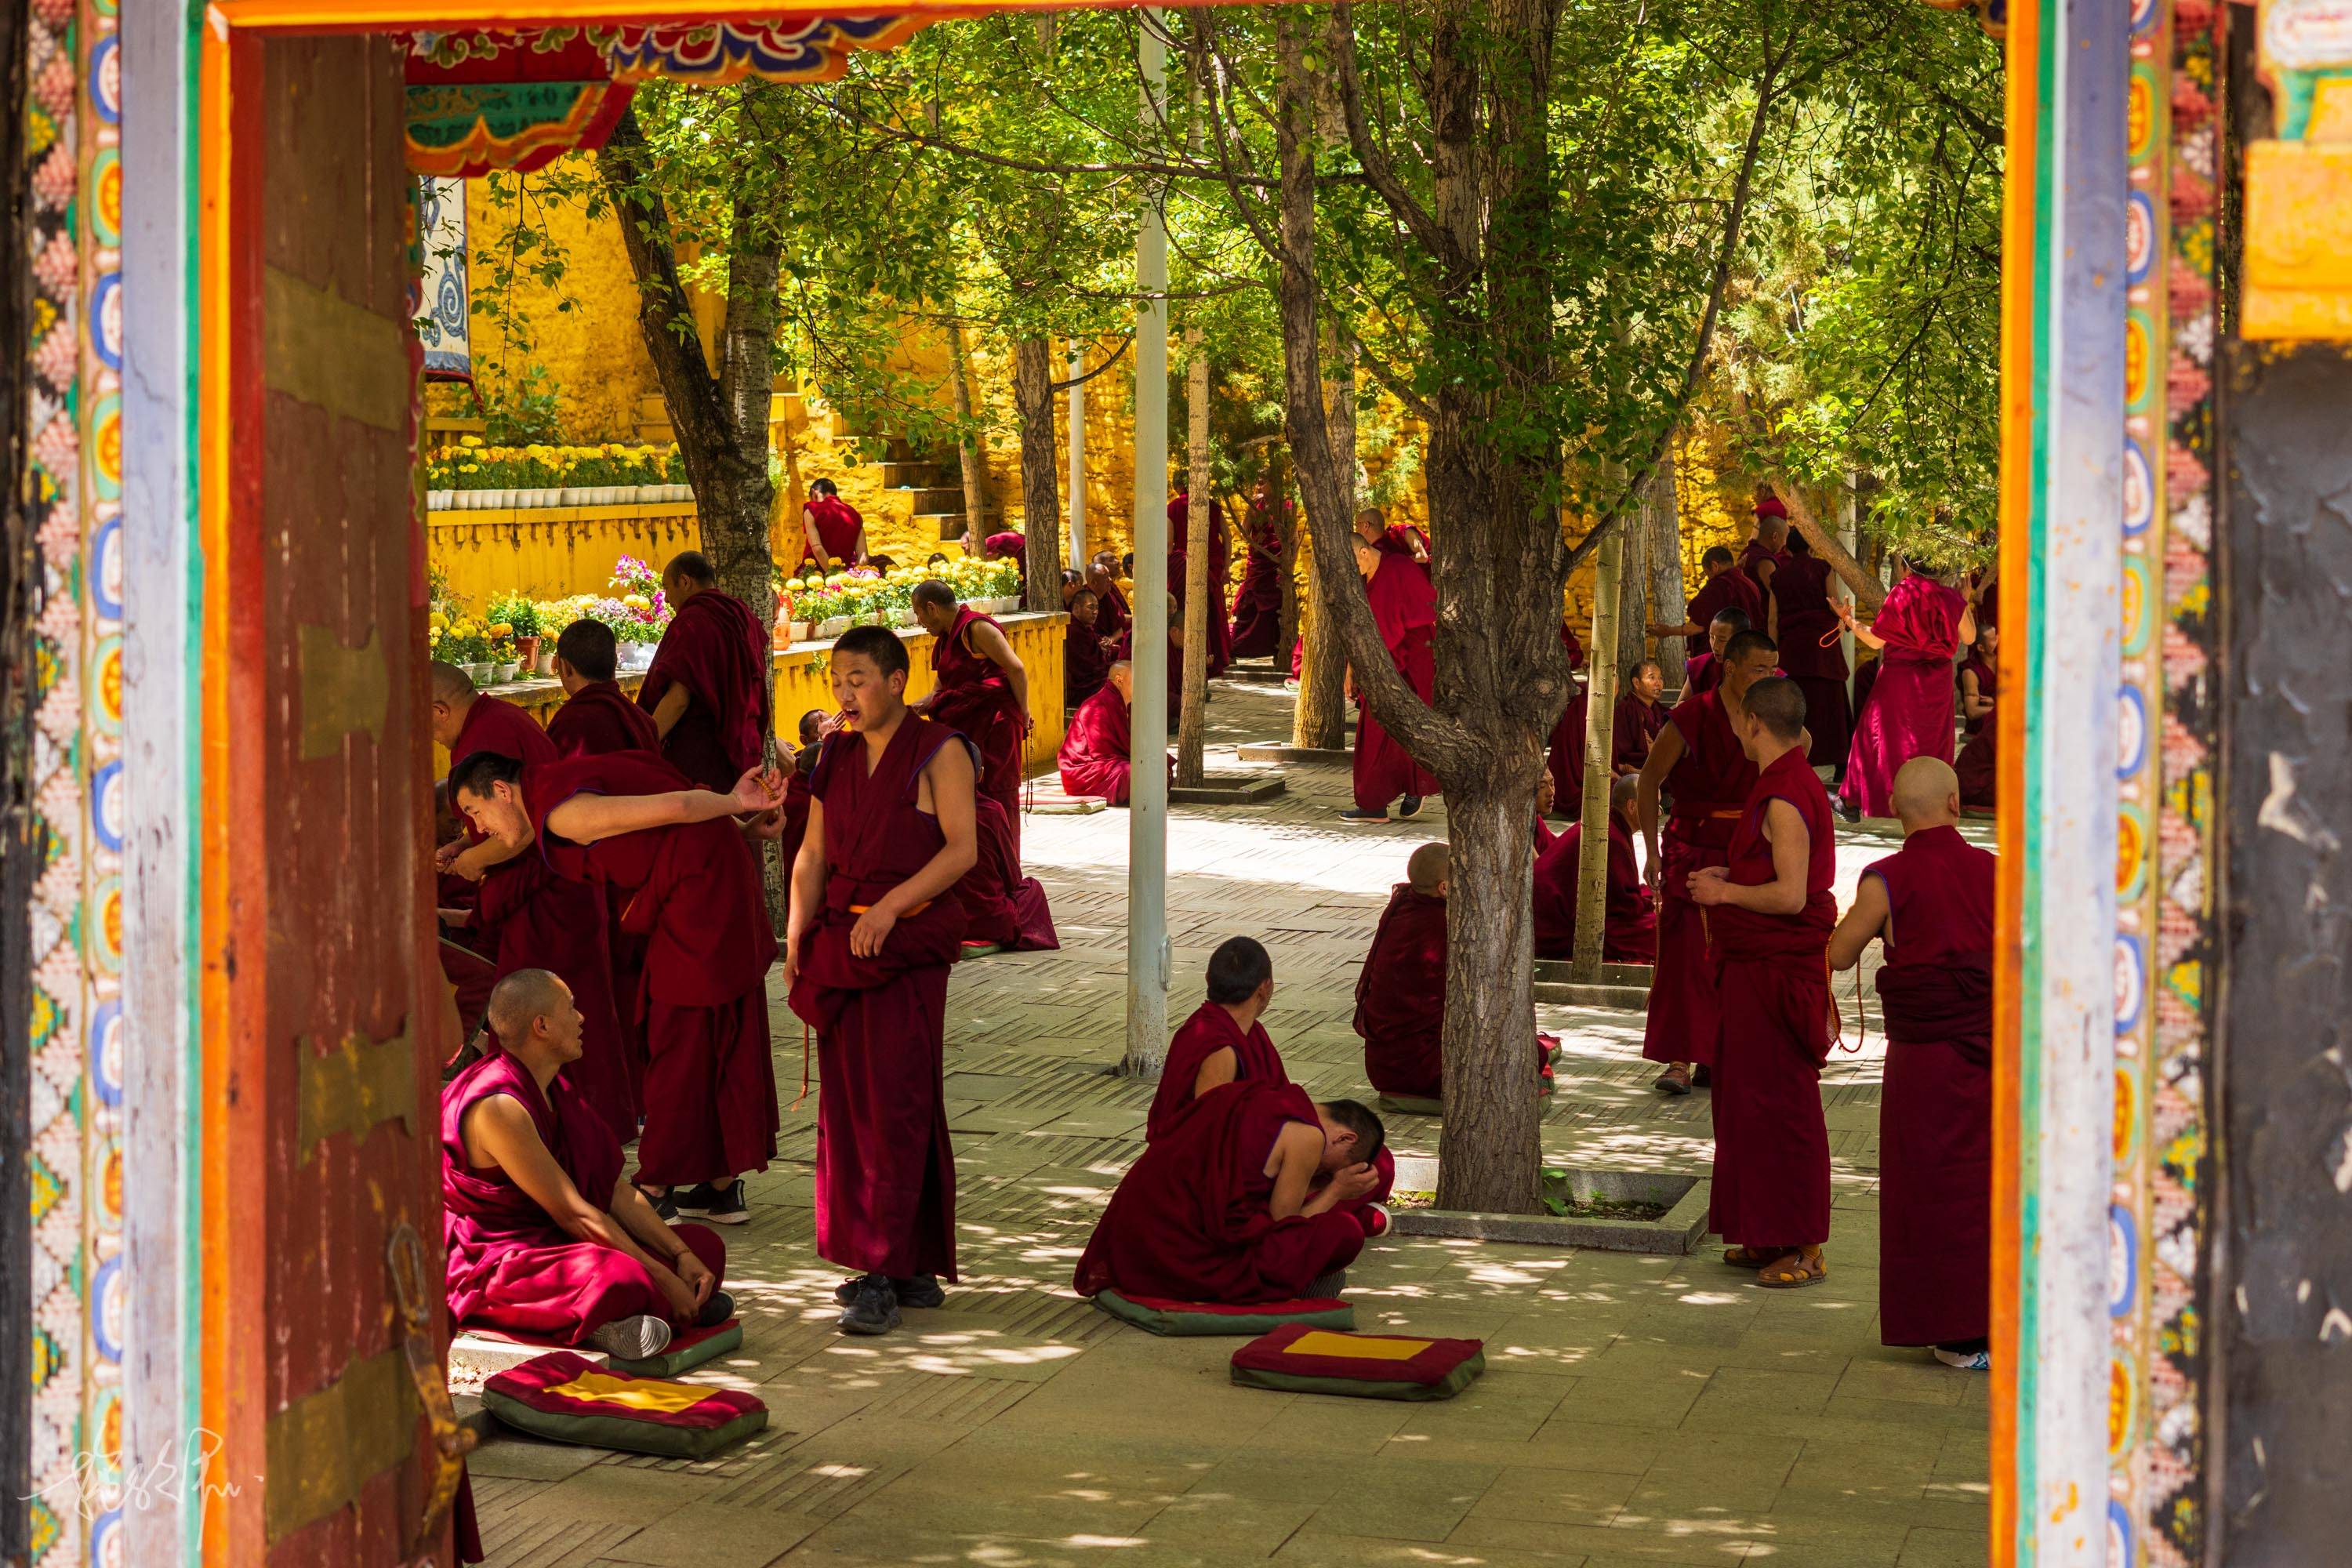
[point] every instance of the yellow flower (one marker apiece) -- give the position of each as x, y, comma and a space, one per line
470, 441
501, 629
440, 622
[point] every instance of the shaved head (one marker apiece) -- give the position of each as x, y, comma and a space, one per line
1926, 794
1427, 869
931, 591
450, 684
1622, 789
1779, 704
521, 999
1370, 523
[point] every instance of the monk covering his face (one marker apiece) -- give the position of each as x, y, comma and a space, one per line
545, 1237
1930, 905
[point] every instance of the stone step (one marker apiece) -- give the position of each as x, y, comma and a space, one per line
920, 476
1270, 752
1049, 801
938, 499
1258, 674
1228, 789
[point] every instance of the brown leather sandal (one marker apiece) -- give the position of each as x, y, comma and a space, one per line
1794, 1272
1754, 1257
1676, 1079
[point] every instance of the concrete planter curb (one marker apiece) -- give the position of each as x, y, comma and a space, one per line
1676, 1233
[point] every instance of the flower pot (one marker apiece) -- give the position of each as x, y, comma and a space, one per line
829, 629
479, 674
545, 662
506, 671
573, 495
605, 495
803, 631
439, 500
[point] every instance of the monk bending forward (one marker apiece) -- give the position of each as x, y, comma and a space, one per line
1240, 1201
1771, 910
1930, 903
875, 924
545, 1238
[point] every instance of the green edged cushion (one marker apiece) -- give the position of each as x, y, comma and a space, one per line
1301, 1359
1157, 1315
567, 1398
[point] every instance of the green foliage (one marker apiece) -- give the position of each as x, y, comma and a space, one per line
518, 612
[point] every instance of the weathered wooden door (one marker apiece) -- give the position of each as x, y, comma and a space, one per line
321, 1016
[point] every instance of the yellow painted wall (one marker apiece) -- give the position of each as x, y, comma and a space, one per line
553, 553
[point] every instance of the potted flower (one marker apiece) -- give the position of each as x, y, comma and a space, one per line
522, 614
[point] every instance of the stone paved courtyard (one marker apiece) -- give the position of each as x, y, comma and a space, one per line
1634, 1409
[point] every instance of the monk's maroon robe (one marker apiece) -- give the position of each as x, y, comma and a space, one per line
1753, 559
1800, 584
1093, 756
1771, 1144
599, 718
1729, 589
1189, 1221
973, 697
693, 892
1910, 710
837, 527
1257, 603
1179, 534
1630, 933
1400, 996
510, 1266
1404, 608
1636, 727
1702, 673
491, 724
1978, 764
1001, 906
537, 919
1086, 662
718, 650
471, 979
1114, 618
1935, 1211
885, 1169
1705, 792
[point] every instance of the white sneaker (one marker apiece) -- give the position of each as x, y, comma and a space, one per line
1971, 1360
633, 1338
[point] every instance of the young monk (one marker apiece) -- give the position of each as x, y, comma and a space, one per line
597, 716
1726, 588
1094, 758
1979, 765
875, 924
529, 916
1239, 1201
1085, 653
1631, 933
1404, 608
982, 691
1769, 910
1812, 653
1698, 760
1930, 903
708, 687
1179, 535
633, 824
545, 1237
1257, 601
1704, 673
1639, 718
1921, 625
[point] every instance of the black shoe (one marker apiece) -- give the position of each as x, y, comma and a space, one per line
715, 1311
665, 1204
719, 1205
1409, 807
918, 1291
873, 1310
1354, 815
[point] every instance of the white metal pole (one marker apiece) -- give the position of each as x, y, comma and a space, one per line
1077, 459
1147, 877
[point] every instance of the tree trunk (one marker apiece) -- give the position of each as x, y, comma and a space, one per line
1662, 522
1632, 596
968, 455
1320, 718
1869, 593
1600, 745
1286, 575
1041, 494
1190, 770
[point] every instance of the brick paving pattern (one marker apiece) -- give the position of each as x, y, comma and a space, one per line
1634, 1409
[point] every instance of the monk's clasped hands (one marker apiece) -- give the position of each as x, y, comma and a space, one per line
1711, 885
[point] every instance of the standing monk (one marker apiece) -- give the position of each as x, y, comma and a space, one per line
1812, 653
1930, 903
1180, 536
1979, 684
1726, 588
1761, 556
1770, 912
597, 716
982, 691
833, 534
1698, 760
1404, 608
684, 873
1704, 673
707, 687
875, 924
1374, 529
532, 917
1257, 603
1922, 623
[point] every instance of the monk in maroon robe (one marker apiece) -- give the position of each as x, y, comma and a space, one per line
1239, 1201
875, 925
1919, 628
1812, 651
833, 533
1930, 903
545, 1239
597, 717
684, 873
1003, 909
1404, 608
709, 687
1257, 603
1630, 934
1392, 538
1726, 588
1979, 765
1095, 756
1639, 718
471, 979
1768, 547
531, 916
1115, 617
1179, 534
1085, 654
1769, 913
1699, 764
980, 691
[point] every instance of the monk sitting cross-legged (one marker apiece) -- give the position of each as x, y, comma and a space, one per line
1094, 754
1239, 1201
876, 926
1630, 933
1930, 903
545, 1238
1770, 910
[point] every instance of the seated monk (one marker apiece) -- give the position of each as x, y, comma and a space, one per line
1930, 903
1085, 652
1630, 933
1401, 991
1094, 755
546, 1238
1979, 765
1239, 1201
1002, 908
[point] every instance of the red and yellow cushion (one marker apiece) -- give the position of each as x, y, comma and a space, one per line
1158, 1315
1301, 1359
689, 1348
569, 1399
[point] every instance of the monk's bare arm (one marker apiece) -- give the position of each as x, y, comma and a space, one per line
1297, 1158
953, 785
476, 860
585, 818
998, 651
1973, 701
1967, 626
1216, 1069
1665, 752
671, 709
1791, 844
1686, 628
1863, 924
808, 887
498, 1132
